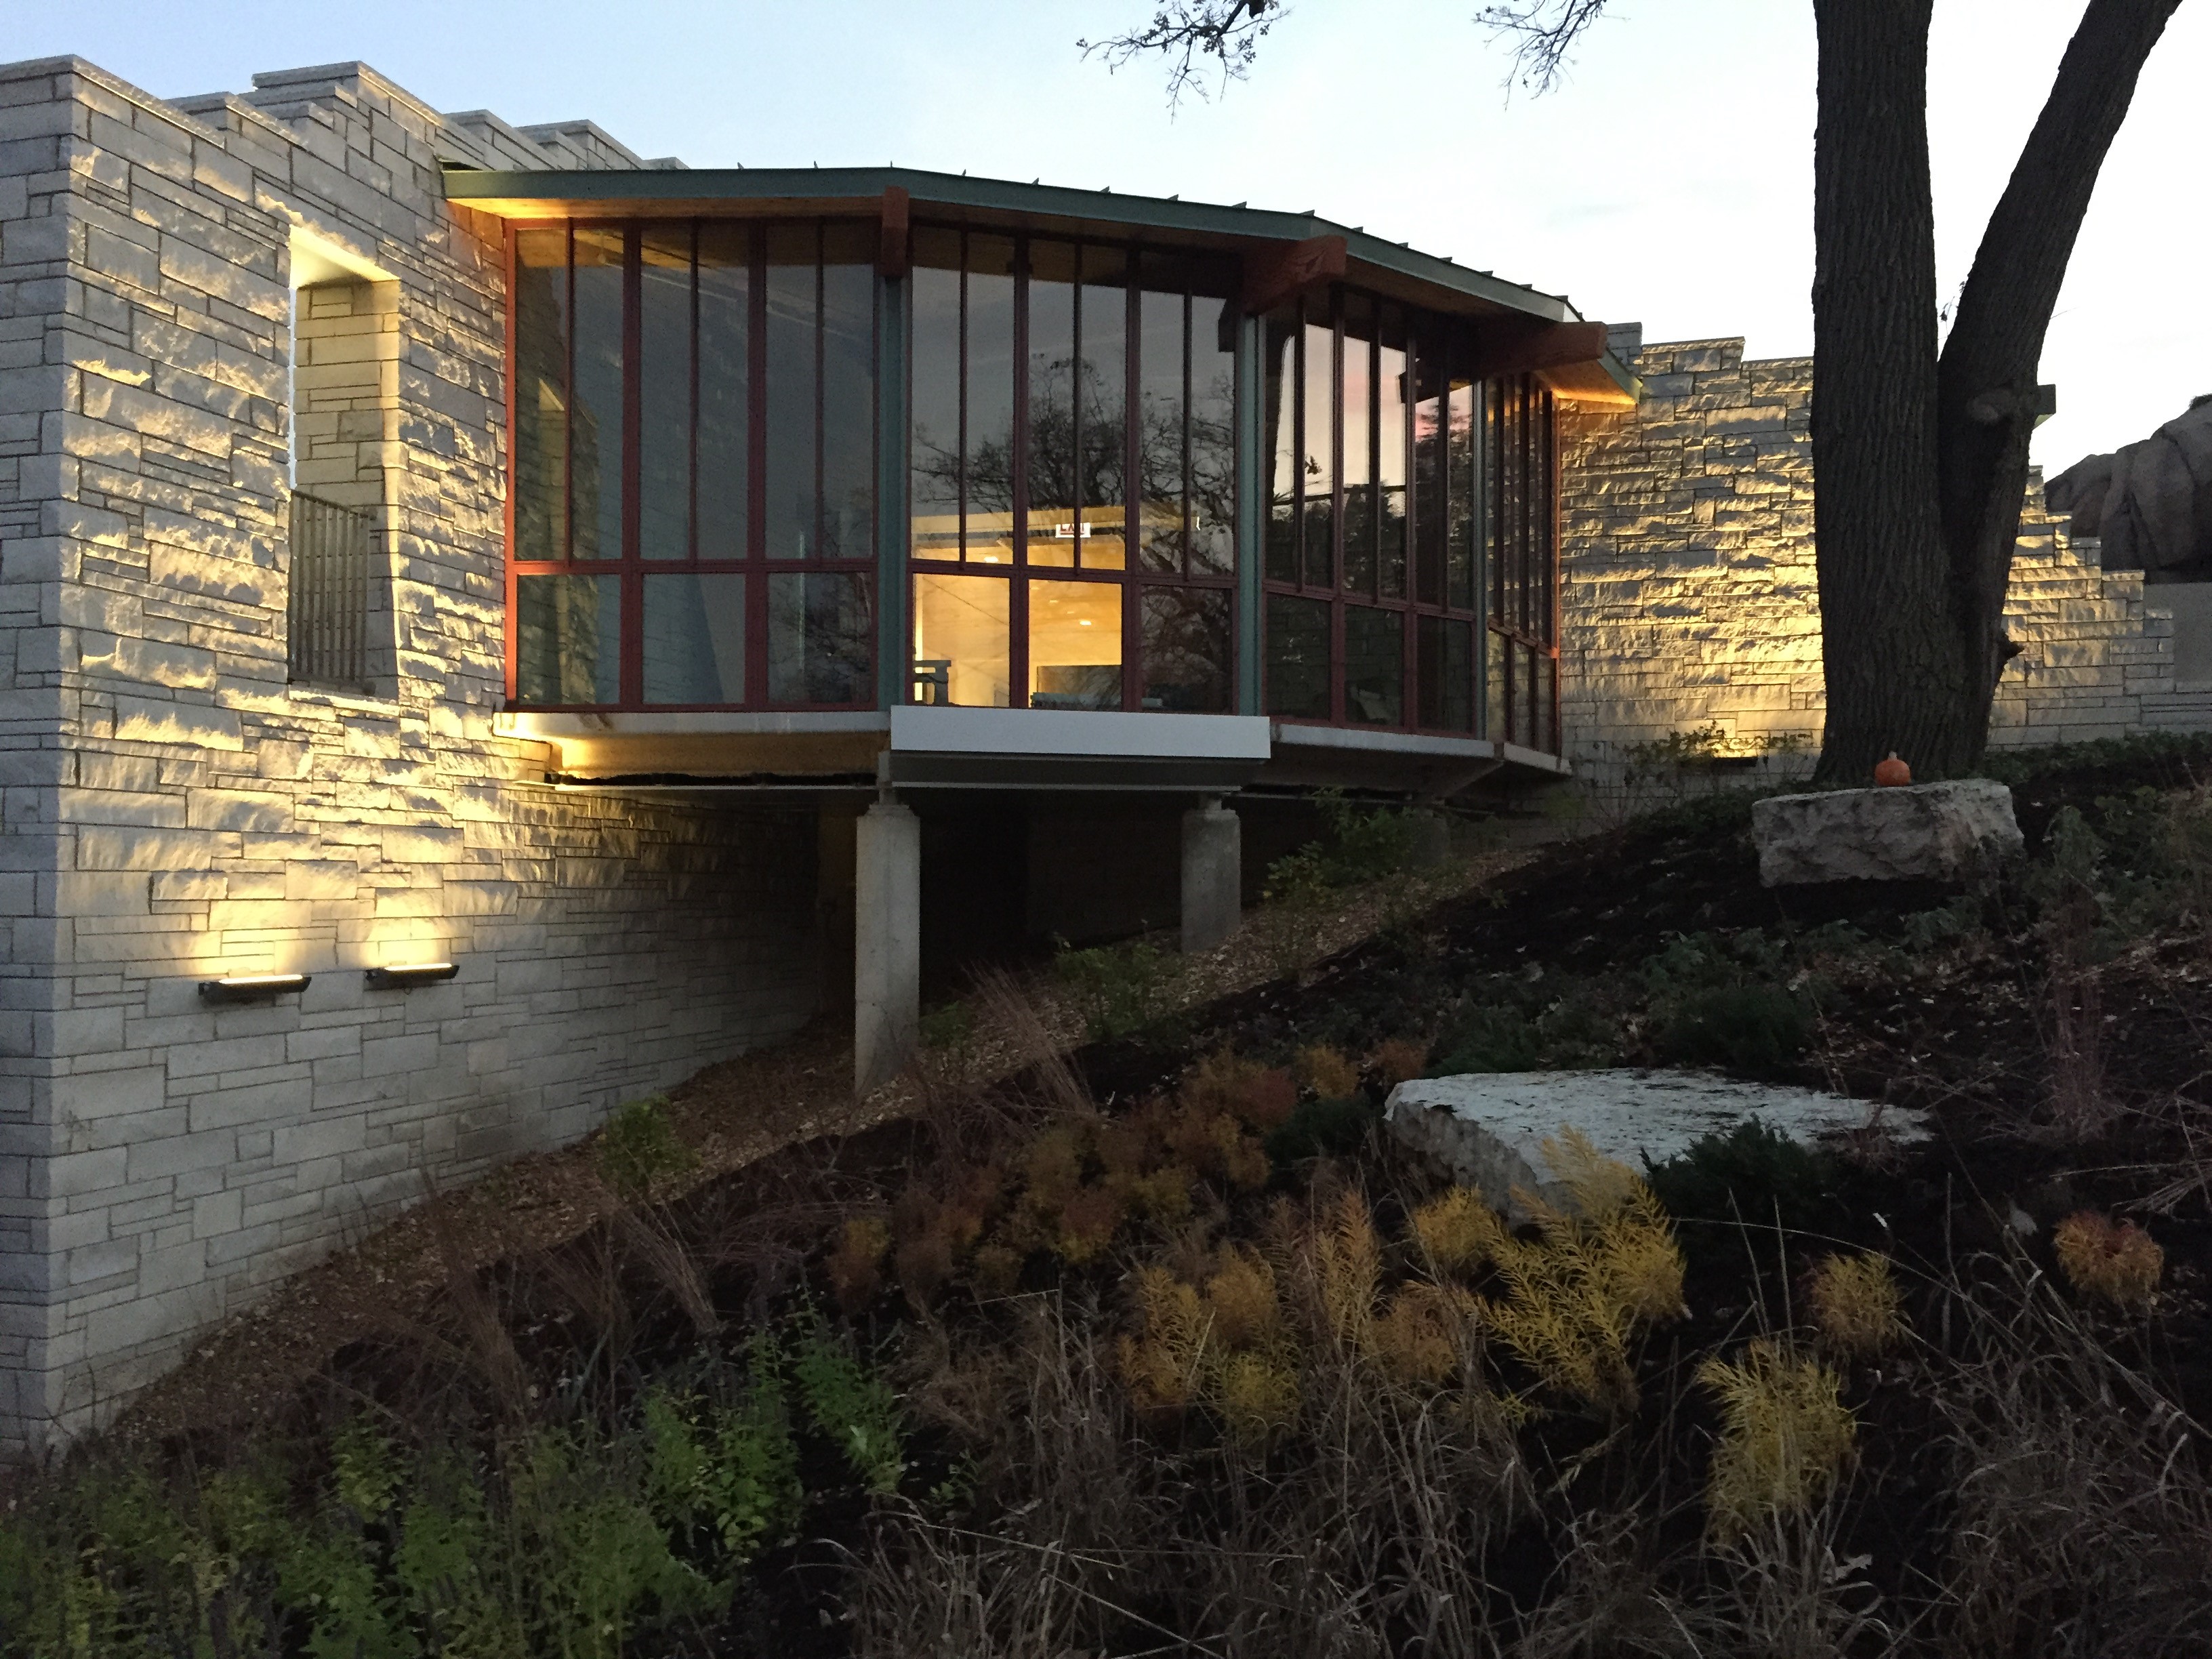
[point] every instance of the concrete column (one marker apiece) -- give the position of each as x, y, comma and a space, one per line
1212, 874
886, 943
1430, 842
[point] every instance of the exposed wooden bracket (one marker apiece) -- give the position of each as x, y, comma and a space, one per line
892, 259
1523, 346
1278, 271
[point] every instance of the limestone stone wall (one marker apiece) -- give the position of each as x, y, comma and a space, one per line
1689, 600
175, 810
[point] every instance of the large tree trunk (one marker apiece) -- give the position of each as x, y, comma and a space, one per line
1986, 398
1896, 675
1920, 469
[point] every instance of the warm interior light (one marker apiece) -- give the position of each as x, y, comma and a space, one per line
411, 973
251, 988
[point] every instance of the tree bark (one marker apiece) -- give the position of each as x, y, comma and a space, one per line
1896, 675
1986, 398
1921, 465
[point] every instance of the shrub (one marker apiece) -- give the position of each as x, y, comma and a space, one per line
1499, 1038
853, 1405
1784, 1436
1756, 1029
1121, 989
1258, 1095
1320, 1128
1400, 1060
2118, 1263
639, 1149
949, 1027
1758, 1177
1856, 1305
855, 1268
1328, 1072
733, 1469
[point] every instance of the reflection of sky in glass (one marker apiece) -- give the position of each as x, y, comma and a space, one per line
664, 374
725, 372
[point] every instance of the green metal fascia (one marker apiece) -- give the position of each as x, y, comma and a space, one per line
1077, 208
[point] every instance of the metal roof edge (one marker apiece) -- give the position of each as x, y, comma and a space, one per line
961, 190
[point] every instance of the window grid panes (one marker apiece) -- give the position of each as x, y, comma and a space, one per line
1071, 475
1375, 431
1521, 542
695, 439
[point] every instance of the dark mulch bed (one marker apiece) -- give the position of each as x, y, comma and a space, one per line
1961, 1034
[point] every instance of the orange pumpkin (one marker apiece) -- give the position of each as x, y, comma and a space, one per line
1892, 773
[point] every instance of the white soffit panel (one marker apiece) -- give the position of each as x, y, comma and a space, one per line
1085, 735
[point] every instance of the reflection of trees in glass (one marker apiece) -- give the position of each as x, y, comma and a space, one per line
820, 639
1058, 462
1187, 649
561, 624
541, 431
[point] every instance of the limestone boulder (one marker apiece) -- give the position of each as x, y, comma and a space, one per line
2149, 503
1944, 831
1488, 1130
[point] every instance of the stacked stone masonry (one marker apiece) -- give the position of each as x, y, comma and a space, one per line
1689, 600
175, 810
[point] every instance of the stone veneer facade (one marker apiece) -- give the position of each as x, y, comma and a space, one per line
1689, 600
174, 810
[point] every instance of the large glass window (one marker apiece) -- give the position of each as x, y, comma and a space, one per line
695, 441
1047, 475
1522, 457
1376, 434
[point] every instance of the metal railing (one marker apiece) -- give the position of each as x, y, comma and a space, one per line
327, 619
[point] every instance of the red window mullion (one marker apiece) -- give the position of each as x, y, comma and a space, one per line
632, 676
1133, 487
1017, 608
507, 633
1336, 570
756, 472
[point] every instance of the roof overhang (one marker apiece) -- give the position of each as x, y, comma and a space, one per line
1261, 237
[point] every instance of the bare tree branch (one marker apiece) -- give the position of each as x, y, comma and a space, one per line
1544, 32
1189, 32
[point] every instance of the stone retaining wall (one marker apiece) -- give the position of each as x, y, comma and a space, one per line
176, 809
1689, 600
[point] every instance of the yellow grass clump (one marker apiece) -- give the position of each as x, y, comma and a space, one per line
1457, 1231
1856, 1305
1328, 1072
1348, 1266
1784, 1435
1163, 1367
2113, 1261
1596, 1272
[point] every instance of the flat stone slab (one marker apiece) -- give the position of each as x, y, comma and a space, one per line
1945, 831
1488, 1128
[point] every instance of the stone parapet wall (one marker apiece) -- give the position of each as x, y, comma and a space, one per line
1690, 601
177, 810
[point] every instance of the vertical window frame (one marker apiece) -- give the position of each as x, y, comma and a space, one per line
629, 568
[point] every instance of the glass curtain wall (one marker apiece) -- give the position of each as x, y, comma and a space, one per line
1072, 476
694, 464
1369, 439
1519, 441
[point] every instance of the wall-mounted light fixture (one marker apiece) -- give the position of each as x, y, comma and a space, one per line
252, 987
399, 975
